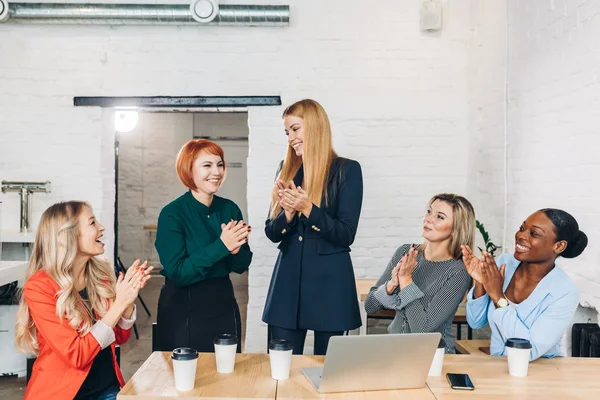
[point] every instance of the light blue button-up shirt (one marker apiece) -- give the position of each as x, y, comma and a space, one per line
541, 318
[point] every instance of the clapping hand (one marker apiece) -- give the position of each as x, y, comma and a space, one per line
402, 273
289, 211
407, 265
296, 198
129, 284
488, 278
234, 235
493, 278
472, 264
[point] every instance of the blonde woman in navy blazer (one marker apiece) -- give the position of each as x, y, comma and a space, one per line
314, 215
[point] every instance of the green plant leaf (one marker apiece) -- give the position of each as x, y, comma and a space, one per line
489, 245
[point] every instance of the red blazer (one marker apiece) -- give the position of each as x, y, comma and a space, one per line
65, 358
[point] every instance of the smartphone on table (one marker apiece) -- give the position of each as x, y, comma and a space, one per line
460, 381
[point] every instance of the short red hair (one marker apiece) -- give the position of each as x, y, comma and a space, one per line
188, 154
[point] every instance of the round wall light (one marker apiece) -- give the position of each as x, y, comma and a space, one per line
125, 120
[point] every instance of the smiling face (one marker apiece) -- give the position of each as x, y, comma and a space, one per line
294, 129
536, 240
208, 171
90, 234
438, 222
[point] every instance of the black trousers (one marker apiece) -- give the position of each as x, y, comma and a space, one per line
192, 316
298, 336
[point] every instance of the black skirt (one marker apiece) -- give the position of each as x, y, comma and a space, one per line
192, 316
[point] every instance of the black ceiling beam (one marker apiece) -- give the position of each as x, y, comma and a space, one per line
177, 101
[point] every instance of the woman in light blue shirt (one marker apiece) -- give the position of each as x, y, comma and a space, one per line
526, 295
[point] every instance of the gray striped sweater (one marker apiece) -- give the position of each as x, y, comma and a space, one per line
429, 303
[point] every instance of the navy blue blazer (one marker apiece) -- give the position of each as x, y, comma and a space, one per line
313, 285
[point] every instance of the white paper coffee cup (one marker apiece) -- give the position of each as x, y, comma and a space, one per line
184, 368
280, 354
225, 350
517, 354
438, 359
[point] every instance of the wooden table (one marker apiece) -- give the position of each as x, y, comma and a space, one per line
363, 286
471, 346
298, 387
250, 380
557, 378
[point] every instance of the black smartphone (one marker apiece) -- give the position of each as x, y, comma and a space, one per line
460, 381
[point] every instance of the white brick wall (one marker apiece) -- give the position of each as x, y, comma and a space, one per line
486, 115
552, 82
554, 122
378, 76
423, 113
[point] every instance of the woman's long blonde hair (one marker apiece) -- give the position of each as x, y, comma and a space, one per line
54, 251
463, 228
318, 154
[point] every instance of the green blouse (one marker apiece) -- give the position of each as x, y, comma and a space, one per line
188, 240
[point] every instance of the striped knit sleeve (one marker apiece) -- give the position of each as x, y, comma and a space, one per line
427, 317
378, 297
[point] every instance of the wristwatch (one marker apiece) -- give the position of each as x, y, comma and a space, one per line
502, 302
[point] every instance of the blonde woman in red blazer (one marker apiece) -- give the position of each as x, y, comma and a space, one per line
73, 312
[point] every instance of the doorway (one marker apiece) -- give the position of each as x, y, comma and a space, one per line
147, 180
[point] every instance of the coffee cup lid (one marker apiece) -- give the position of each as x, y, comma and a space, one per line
226, 339
441, 344
518, 343
280, 344
184, 354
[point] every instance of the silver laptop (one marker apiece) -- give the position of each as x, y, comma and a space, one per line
375, 362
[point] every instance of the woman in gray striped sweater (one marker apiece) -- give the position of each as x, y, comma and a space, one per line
425, 283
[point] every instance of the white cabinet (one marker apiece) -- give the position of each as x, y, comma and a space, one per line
12, 362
